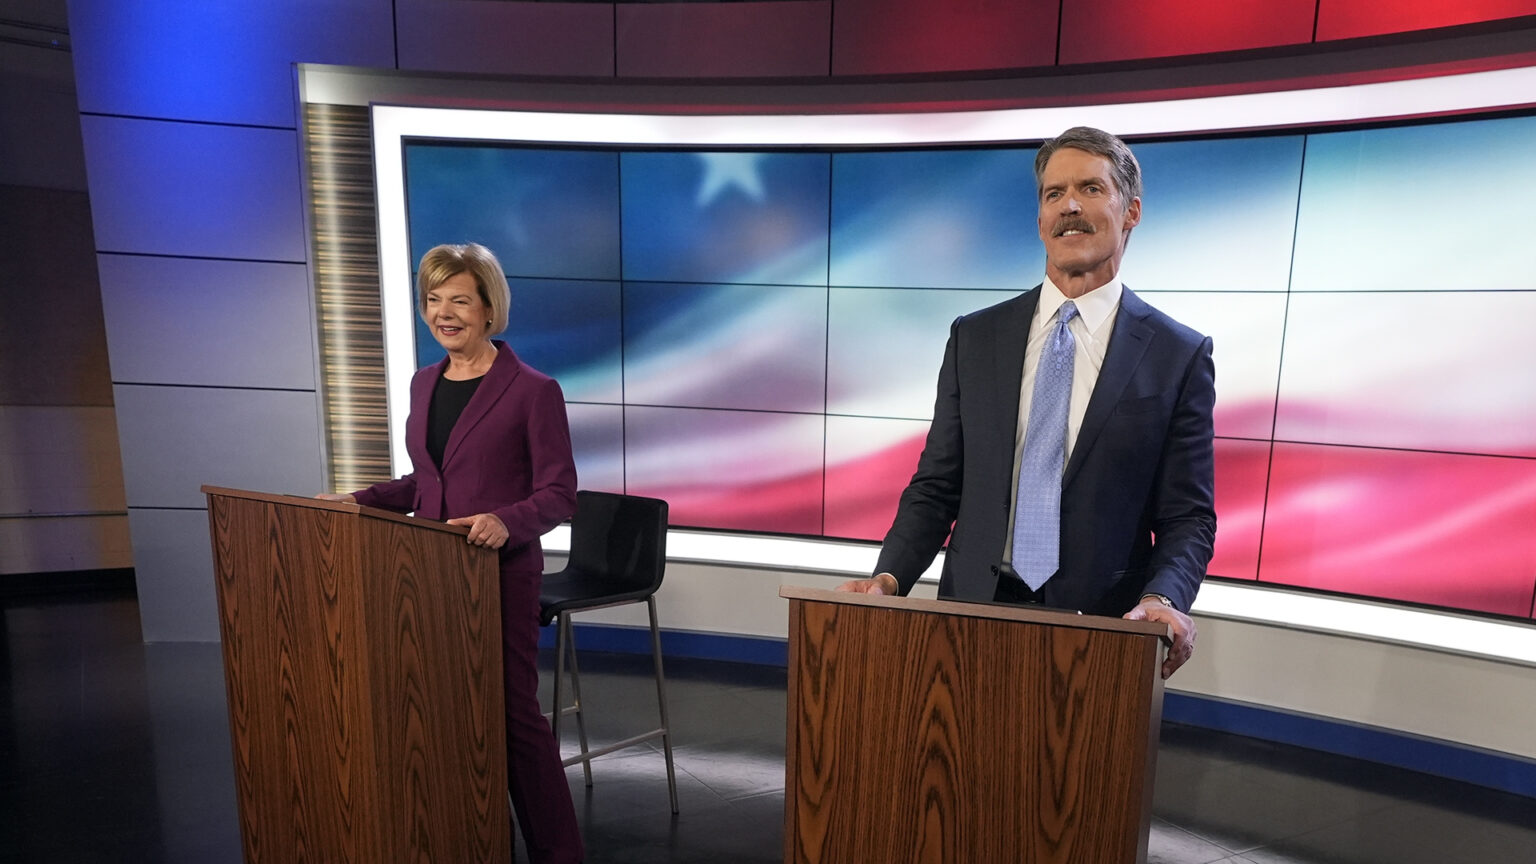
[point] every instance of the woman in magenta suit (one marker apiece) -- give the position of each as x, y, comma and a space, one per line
491, 449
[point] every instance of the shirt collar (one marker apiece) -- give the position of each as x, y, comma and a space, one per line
1095, 307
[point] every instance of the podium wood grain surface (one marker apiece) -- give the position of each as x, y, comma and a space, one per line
937, 731
362, 657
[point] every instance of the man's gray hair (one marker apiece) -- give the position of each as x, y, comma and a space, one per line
1126, 170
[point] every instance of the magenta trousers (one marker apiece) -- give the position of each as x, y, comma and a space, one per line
541, 797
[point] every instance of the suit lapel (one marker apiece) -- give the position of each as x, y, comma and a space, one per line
1127, 345
1008, 363
503, 372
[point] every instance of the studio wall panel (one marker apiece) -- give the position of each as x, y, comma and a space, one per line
51, 346
60, 544
175, 439
751, 470
885, 345
723, 40
209, 323
505, 38
869, 462
597, 442
1101, 31
874, 37
1242, 478
1347, 19
194, 189
1379, 208
226, 62
1449, 371
1242, 190
570, 330
545, 213
1395, 523
189, 764
706, 346
174, 563
935, 219
59, 459
1246, 331
1442, 695
725, 217
39, 119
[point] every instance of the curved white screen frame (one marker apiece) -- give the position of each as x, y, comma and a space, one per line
1448, 94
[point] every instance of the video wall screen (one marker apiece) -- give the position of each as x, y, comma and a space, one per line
755, 336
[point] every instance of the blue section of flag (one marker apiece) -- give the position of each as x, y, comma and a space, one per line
545, 213
935, 219
726, 217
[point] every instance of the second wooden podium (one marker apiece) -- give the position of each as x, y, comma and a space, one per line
362, 660
937, 731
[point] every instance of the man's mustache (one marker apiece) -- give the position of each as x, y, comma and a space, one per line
1066, 225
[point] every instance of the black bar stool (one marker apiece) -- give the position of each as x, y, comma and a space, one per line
618, 556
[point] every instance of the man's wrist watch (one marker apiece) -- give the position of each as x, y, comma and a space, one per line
1161, 599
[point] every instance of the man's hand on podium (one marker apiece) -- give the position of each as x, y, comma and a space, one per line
882, 583
1152, 608
485, 529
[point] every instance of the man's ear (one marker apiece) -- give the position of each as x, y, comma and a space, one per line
1133, 214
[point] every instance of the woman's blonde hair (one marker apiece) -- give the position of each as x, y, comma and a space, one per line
444, 262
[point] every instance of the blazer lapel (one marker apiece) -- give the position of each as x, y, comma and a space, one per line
1008, 365
422, 388
1127, 346
503, 372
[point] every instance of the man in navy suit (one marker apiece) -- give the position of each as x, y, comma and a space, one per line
1137, 517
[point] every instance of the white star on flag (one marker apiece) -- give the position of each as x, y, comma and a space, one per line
724, 171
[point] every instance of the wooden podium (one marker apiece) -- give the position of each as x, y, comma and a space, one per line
362, 659
940, 731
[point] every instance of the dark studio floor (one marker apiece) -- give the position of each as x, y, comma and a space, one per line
116, 751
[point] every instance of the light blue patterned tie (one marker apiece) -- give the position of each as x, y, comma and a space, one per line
1037, 515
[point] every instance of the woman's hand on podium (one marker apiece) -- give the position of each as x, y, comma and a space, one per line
337, 496
882, 583
485, 529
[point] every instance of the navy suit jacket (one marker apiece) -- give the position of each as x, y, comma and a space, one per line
1138, 494
509, 454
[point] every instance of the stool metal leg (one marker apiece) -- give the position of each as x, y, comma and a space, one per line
581, 720
565, 650
661, 700
554, 717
